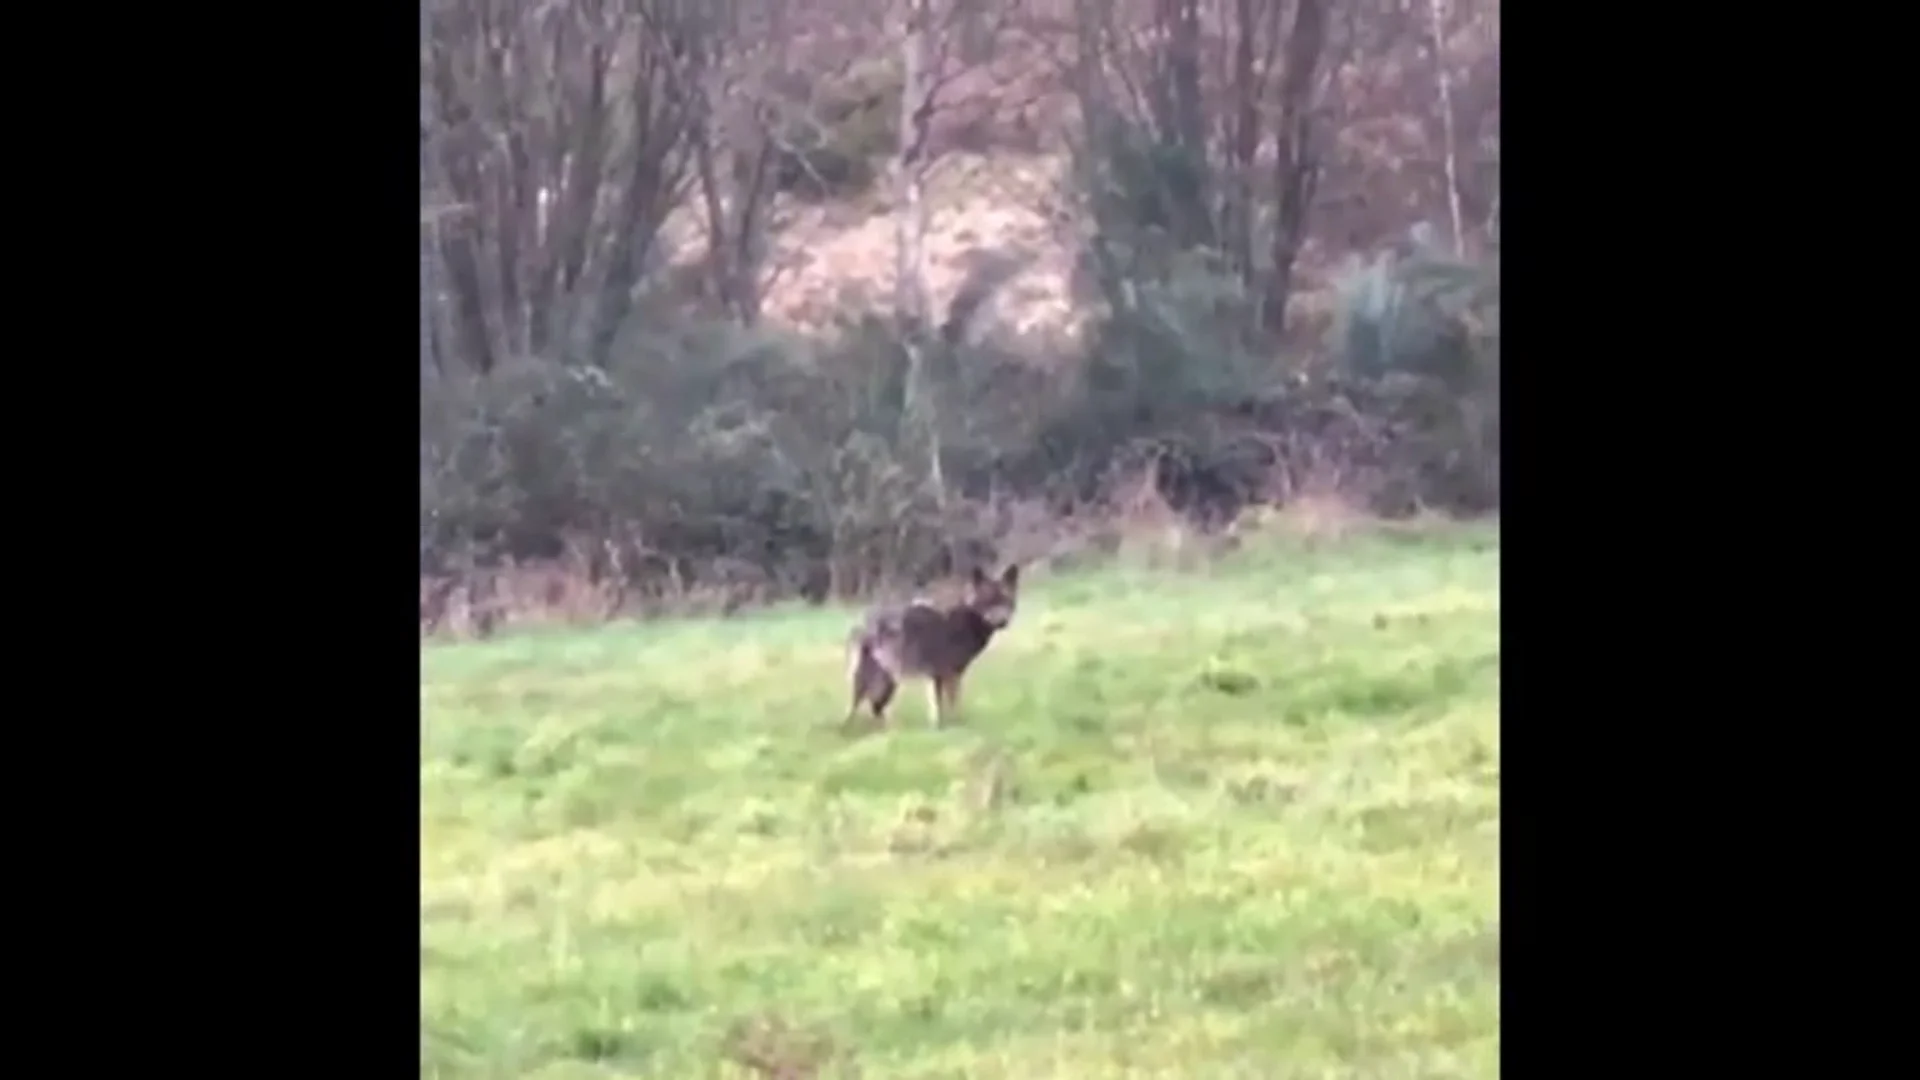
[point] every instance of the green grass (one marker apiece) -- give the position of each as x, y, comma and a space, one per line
1234, 823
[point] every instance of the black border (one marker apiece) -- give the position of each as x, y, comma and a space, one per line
231, 230
1657, 205
250, 347
1588, 490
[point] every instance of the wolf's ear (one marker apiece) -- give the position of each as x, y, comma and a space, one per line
1011, 576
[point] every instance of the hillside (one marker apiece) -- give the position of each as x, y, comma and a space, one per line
1006, 121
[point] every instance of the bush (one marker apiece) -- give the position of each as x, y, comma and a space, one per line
1430, 323
697, 454
693, 449
840, 132
701, 454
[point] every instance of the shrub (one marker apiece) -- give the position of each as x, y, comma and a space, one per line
700, 454
694, 448
1422, 312
840, 131
1430, 322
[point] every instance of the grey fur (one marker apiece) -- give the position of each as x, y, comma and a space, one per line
924, 641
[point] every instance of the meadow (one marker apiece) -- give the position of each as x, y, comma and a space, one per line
1232, 821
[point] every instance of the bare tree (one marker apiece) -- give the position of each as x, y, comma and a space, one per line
1212, 109
760, 120
1416, 119
910, 288
933, 37
734, 159
735, 146
1297, 156
560, 128
1449, 150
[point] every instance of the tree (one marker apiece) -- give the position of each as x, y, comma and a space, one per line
555, 139
930, 36
1173, 154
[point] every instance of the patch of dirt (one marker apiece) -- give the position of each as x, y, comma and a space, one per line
985, 213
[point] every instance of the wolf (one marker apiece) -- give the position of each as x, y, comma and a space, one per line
922, 640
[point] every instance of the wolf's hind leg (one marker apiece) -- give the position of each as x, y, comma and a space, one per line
883, 697
873, 686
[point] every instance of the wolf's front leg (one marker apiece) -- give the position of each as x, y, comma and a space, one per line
937, 700
945, 694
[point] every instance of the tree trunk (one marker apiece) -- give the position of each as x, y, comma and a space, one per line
910, 289
1298, 163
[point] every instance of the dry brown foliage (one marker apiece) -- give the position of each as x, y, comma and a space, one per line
1135, 524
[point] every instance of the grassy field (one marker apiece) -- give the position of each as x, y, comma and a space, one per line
1240, 822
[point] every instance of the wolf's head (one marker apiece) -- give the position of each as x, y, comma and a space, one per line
994, 599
